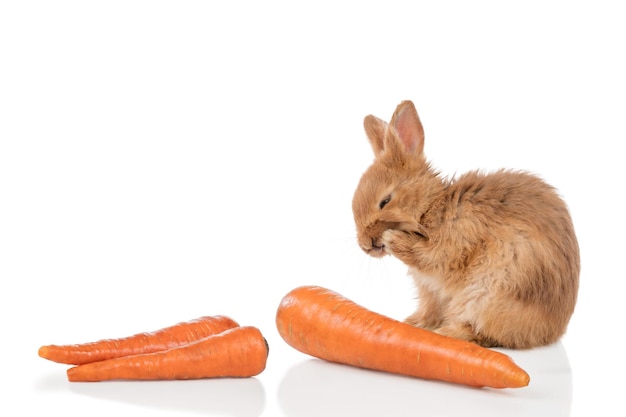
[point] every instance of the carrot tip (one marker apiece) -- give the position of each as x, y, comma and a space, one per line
43, 352
525, 380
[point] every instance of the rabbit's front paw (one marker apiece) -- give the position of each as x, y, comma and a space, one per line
400, 244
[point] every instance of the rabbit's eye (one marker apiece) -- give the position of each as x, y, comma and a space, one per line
384, 202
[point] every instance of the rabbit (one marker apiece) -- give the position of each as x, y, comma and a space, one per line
494, 256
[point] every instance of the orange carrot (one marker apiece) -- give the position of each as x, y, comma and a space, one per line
324, 324
238, 352
166, 338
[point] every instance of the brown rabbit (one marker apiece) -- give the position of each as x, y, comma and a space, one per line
494, 256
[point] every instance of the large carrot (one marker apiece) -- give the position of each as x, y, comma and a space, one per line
166, 338
324, 324
238, 352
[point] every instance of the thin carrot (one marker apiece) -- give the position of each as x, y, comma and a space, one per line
324, 324
237, 352
166, 338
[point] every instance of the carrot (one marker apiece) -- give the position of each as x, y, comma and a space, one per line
237, 352
166, 338
324, 324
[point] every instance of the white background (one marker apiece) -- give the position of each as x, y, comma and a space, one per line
160, 161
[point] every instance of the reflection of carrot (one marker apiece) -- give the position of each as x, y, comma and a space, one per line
324, 324
166, 338
238, 352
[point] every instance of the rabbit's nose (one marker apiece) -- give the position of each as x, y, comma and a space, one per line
377, 245
377, 249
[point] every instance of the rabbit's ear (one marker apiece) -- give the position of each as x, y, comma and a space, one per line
375, 129
407, 125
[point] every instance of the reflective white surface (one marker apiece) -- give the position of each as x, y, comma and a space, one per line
163, 161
